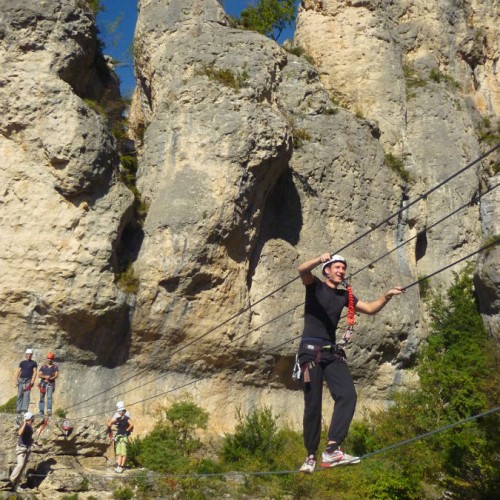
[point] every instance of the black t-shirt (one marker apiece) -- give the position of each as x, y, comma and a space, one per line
27, 366
322, 310
49, 370
26, 438
121, 425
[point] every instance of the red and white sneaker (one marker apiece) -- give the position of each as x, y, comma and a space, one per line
337, 457
309, 464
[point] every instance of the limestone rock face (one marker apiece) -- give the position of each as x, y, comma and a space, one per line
424, 73
61, 206
248, 168
250, 161
60, 463
215, 145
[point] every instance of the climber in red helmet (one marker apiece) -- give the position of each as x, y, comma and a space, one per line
48, 374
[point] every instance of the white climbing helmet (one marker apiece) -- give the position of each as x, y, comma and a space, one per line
334, 258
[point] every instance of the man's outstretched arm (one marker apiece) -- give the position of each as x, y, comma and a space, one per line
378, 304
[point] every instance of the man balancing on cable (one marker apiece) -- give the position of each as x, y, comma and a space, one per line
320, 358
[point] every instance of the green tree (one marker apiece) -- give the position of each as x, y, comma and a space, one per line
455, 365
256, 437
184, 419
169, 446
269, 17
459, 377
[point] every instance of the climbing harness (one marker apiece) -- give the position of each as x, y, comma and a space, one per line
27, 386
303, 368
43, 386
335, 349
351, 312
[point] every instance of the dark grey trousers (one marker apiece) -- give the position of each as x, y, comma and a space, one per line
339, 380
23, 397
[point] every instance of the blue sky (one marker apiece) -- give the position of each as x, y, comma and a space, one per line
117, 24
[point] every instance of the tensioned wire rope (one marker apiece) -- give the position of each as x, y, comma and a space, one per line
273, 348
253, 304
371, 454
258, 327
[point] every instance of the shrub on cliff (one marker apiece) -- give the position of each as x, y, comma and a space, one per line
256, 440
172, 442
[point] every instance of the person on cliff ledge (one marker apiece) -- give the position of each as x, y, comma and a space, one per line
23, 450
321, 358
49, 372
25, 380
124, 427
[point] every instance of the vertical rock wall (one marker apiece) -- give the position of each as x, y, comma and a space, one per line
251, 160
61, 206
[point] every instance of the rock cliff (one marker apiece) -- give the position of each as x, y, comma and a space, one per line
250, 160
60, 461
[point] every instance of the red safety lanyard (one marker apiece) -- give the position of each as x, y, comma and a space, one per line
350, 306
351, 312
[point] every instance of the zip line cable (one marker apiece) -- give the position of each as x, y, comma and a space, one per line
247, 308
419, 198
363, 457
202, 377
322, 469
427, 228
483, 248
371, 454
258, 327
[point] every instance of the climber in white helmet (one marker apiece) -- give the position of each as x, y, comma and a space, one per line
322, 359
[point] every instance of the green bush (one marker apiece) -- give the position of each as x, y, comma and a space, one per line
60, 413
256, 437
489, 133
438, 76
300, 135
412, 80
172, 442
127, 280
296, 50
184, 418
227, 77
424, 287
94, 6
396, 164
123, 493
9, 406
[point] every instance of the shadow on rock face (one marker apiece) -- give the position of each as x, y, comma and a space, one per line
107, 337
282, 218
35, 476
